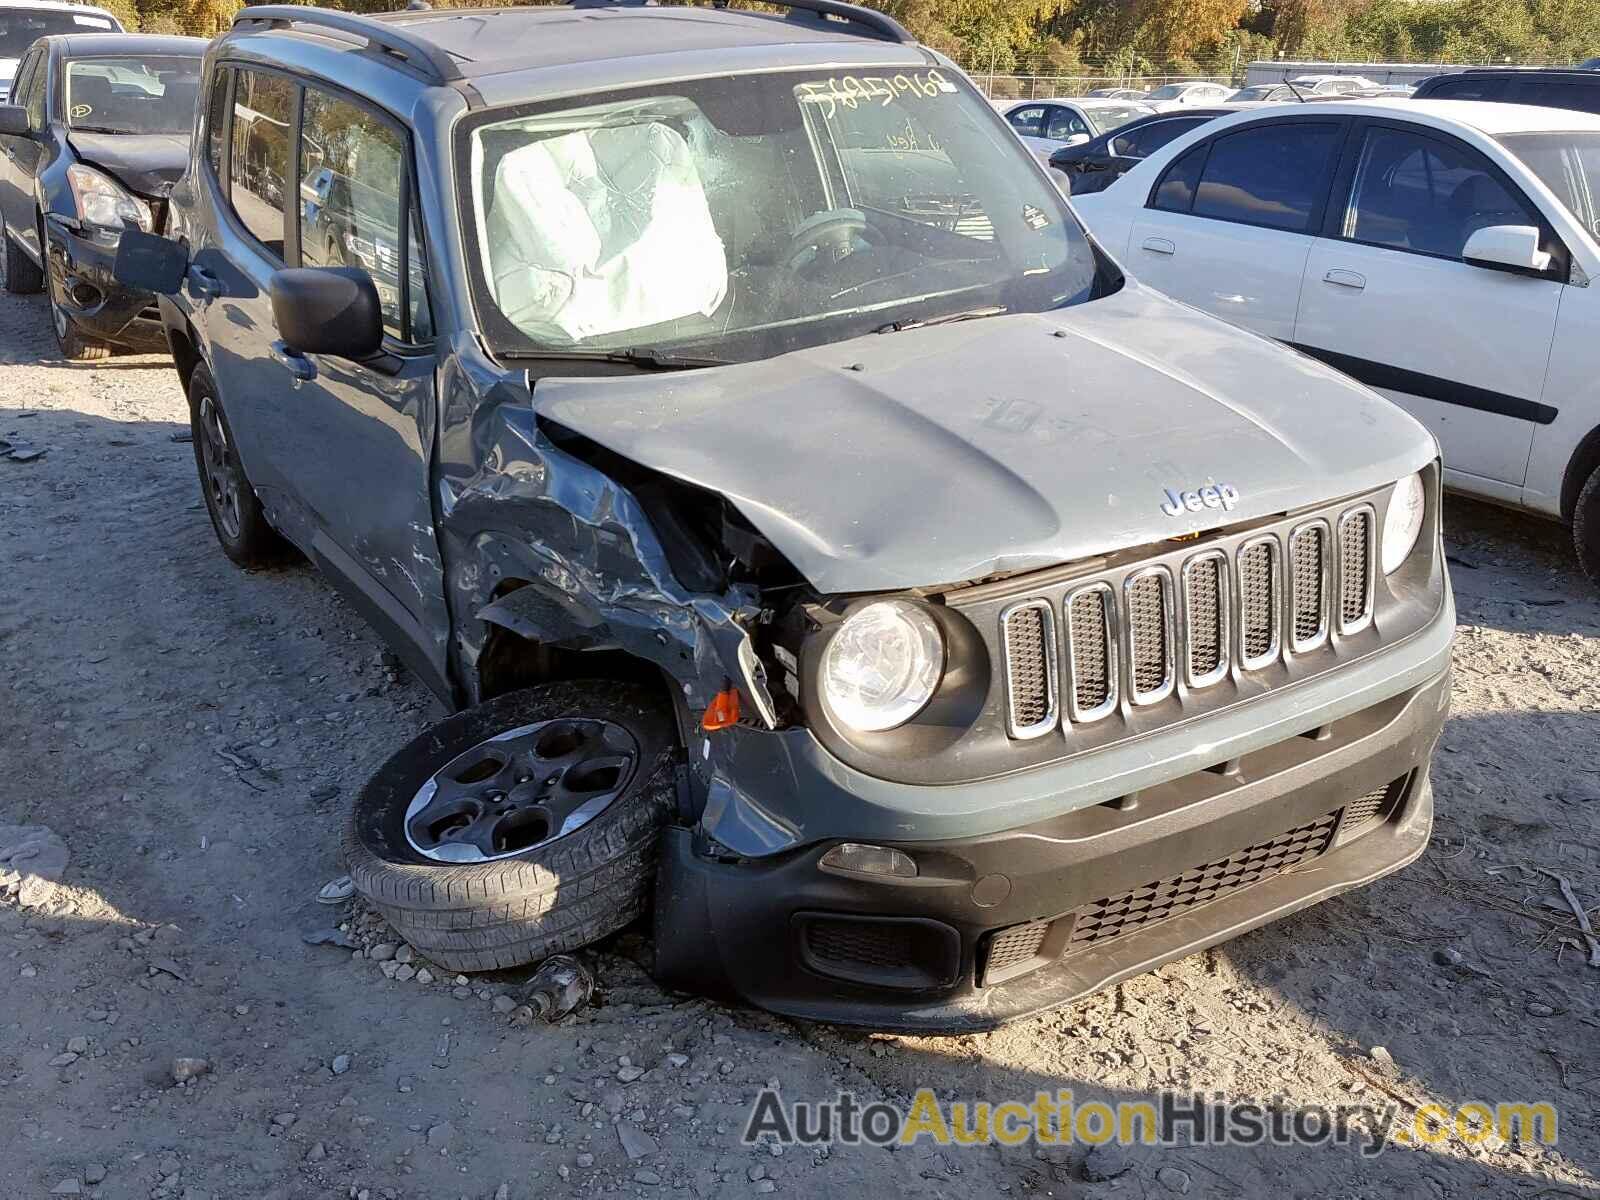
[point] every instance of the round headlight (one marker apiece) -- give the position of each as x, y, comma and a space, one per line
1403, 522
882, 665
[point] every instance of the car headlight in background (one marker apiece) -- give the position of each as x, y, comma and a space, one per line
882, 665
1403, 522
105, 205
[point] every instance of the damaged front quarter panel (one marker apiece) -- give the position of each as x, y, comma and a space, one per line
543, 544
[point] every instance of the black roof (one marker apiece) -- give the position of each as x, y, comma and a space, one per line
1583, 74
85, 45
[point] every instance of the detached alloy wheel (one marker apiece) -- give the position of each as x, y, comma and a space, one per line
520, 828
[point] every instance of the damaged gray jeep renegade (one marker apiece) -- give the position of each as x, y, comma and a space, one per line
825, 547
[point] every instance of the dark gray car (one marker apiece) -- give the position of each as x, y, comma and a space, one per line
825, 546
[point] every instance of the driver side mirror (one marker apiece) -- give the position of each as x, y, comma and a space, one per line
327, 310
14, 120
1512, 248
1077, 139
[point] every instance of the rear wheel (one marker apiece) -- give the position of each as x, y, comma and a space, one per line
520, 828
236, 514
1586, 527
23, 276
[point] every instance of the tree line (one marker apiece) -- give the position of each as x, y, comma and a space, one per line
1145, 37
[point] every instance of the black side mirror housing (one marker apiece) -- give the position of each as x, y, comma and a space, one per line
327, 310
148, 262
14, 120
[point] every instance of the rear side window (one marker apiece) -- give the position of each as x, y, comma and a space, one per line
1471, 87
1559, 93
217, 118
1175, 193
1272, 175
1415, 193
258, 161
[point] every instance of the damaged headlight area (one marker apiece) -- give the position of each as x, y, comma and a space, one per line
104, 207
882, 665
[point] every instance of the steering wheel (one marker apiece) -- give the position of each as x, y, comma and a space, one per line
831, 235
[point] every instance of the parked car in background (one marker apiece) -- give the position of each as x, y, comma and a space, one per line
1440, 252
1552, 87
1097, 164
96, 137
1047, 125
892, 606
1265, 93
23, 22
1331, 85
1118, 93
1187, 95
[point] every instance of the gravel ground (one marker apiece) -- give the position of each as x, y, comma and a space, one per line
194, 732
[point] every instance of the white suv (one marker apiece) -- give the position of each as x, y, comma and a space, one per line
1441, 252
23, 22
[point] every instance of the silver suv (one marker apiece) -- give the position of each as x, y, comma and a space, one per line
825, 546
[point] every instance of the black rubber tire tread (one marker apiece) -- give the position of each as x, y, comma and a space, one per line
23, 276
258, 543
557, 898
1586, 527
79, 346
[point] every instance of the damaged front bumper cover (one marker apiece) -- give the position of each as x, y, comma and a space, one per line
1080, 875
87, 289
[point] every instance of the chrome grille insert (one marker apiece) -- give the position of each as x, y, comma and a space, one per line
1309, 563
1356, 568
1032, 673
1147, 603
1091, 652
1205, 618
1260, 575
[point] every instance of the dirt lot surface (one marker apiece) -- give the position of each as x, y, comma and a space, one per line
193, 733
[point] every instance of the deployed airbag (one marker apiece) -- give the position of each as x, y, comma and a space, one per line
603, 230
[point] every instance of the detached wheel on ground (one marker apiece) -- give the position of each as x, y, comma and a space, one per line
236, 514
23, 276
520, 828
1586, 527
75, 343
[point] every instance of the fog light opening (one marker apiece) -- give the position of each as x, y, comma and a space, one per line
857, 858
85, 295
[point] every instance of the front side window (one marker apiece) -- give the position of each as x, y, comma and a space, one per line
352, 187
1271, 175
1146, 140
743, 217
1472, 88
1065, 123
263, 112
24, 88
145, 95
1415, 193
1569, 165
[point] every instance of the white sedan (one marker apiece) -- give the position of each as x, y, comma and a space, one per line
1047, 125
1188, 95
1441, 252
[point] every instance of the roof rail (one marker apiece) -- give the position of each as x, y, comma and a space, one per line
382, 38
880, 24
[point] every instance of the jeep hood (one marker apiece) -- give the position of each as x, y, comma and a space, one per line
949, 453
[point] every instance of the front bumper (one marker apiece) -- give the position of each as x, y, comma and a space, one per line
1003, 924
81, 272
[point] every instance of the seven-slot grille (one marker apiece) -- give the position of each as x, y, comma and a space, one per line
1277, 591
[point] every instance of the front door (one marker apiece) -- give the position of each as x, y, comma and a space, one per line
1388, 300
1228, 226
21, 156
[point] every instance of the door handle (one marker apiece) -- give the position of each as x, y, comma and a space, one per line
1339, 277
1159, 246
203, 285
298, 365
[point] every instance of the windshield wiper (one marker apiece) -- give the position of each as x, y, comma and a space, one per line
639, 356
970, 314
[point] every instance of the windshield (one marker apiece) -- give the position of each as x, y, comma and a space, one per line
132, 95
742, 217
1106, 117
1171, 92
1569, 165
21, 27
1254, 93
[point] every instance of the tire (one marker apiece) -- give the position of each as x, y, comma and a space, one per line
23, 276
561, 894
75, 344
1586, 527
231, 501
